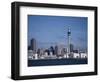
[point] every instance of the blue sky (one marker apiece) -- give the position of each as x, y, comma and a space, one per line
52, 30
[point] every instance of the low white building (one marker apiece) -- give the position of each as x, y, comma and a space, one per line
36, 56
30, 55
45, 54
83, 55
76, 55
65, 55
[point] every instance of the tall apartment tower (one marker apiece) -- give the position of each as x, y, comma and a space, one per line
33, 45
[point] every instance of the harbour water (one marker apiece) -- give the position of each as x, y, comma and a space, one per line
52, 62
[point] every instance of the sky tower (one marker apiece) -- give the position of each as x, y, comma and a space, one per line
69, 41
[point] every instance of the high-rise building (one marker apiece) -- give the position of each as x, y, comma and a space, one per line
71, 47
33, 45
56, 50
38, 51
63, 51
52, 50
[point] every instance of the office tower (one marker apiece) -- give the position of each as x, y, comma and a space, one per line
71, 47
41, 52
33, 45
29, 48
63, 51
47, 51
56, 50
38, 51
52, 50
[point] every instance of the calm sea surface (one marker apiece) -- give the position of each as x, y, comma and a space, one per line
50, 62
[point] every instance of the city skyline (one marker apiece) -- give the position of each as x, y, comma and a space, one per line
52, 30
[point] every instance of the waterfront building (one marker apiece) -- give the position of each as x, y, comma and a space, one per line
83, 55
71, 47
33, 45
56, 50
30, 55
52, 50
76, 55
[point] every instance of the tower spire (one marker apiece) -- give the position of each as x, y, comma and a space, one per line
69, 40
